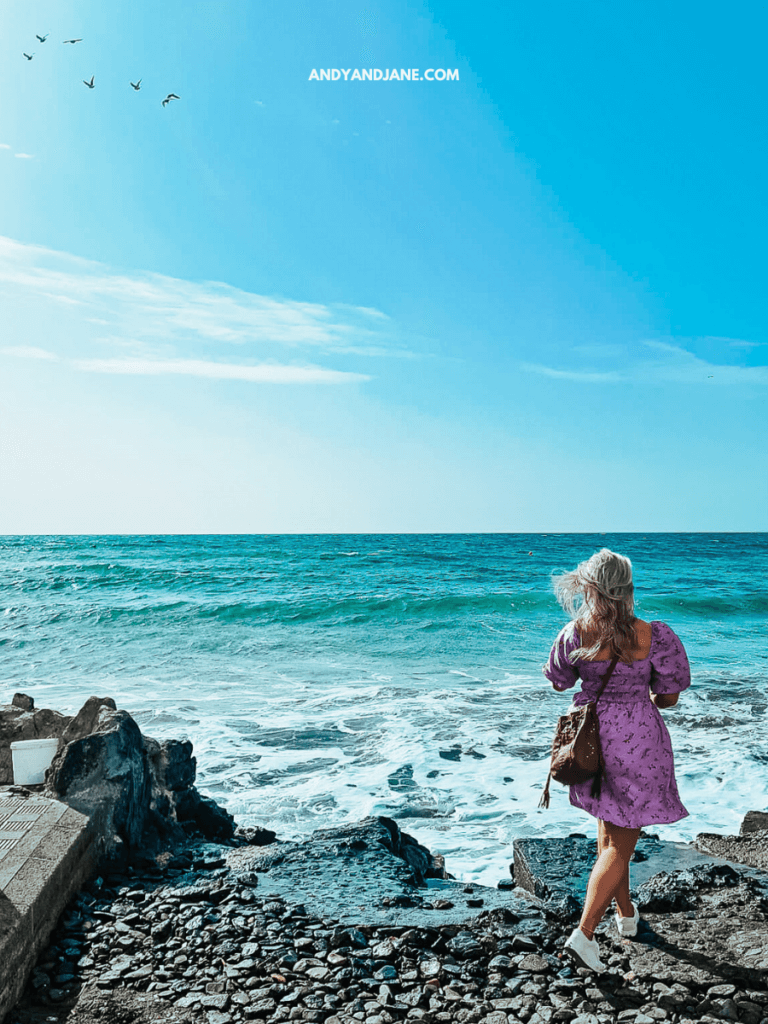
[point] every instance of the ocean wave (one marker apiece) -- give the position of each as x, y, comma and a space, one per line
362, 609
706, 606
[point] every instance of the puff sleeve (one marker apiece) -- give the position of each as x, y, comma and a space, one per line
670, 671
558, 669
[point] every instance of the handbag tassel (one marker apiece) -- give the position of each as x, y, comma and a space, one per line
597, 782
544, 802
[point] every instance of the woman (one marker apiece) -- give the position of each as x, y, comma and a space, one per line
638, 783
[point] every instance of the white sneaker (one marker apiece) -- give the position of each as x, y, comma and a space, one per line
584, 951
627, 926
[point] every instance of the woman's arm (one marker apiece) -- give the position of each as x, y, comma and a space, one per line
558, 669
665, 700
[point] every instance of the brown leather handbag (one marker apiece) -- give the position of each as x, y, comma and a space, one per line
576, 753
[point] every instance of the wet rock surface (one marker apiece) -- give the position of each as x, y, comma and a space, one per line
210, 945
751, 847
557, 870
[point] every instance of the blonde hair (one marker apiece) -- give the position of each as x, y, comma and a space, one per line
599, 596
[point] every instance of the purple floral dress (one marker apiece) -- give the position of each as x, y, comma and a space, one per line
638, 786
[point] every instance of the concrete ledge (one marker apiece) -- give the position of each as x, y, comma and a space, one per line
47, 852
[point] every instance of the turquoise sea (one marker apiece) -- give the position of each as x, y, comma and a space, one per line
324, 678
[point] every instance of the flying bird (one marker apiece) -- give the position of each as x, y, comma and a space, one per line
136, 85
72, 40
42, 38
29, 56
169, 97
90, 84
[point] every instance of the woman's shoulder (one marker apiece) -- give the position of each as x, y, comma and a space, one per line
663, 635
566, 641
567, 636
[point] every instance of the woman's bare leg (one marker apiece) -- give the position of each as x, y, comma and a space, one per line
623, 901
610, 875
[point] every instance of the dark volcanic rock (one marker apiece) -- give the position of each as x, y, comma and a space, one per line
20, 721
123, 1006
750, 849
754, 821
255, 836
210, 946
668, 892
553, 867
103, 771
215, 822
173, 766
139, 793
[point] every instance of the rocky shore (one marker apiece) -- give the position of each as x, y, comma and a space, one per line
362, 923
195, 941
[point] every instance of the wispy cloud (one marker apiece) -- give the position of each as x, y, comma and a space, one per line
167, 307
746, 344
675, 363
666, 362
162, 324
4, 145
24, 156
264, 374
28, 352
588, 376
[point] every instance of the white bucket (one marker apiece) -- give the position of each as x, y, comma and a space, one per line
30, 759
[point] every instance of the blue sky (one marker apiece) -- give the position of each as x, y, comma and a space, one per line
528, 300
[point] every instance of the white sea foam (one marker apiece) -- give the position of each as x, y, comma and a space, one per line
324, 680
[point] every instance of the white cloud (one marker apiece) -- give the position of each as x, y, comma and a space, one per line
368, 311
4, 145
672, 363
263, 374
680, 365
23, 156
28, 352
148, 305
587, 376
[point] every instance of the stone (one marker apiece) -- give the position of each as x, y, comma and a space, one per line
721, 991
534, 963
215, 822
217, 1017
18, 723
499, 963
255, 835
21, 700
726, 1008
749, 1012
214, 1002
263, 1006
465, 945
670, 892
102, 771
754, 821
429, 968
174, 766
751, 848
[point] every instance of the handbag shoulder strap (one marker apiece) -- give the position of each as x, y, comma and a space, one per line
606, 678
